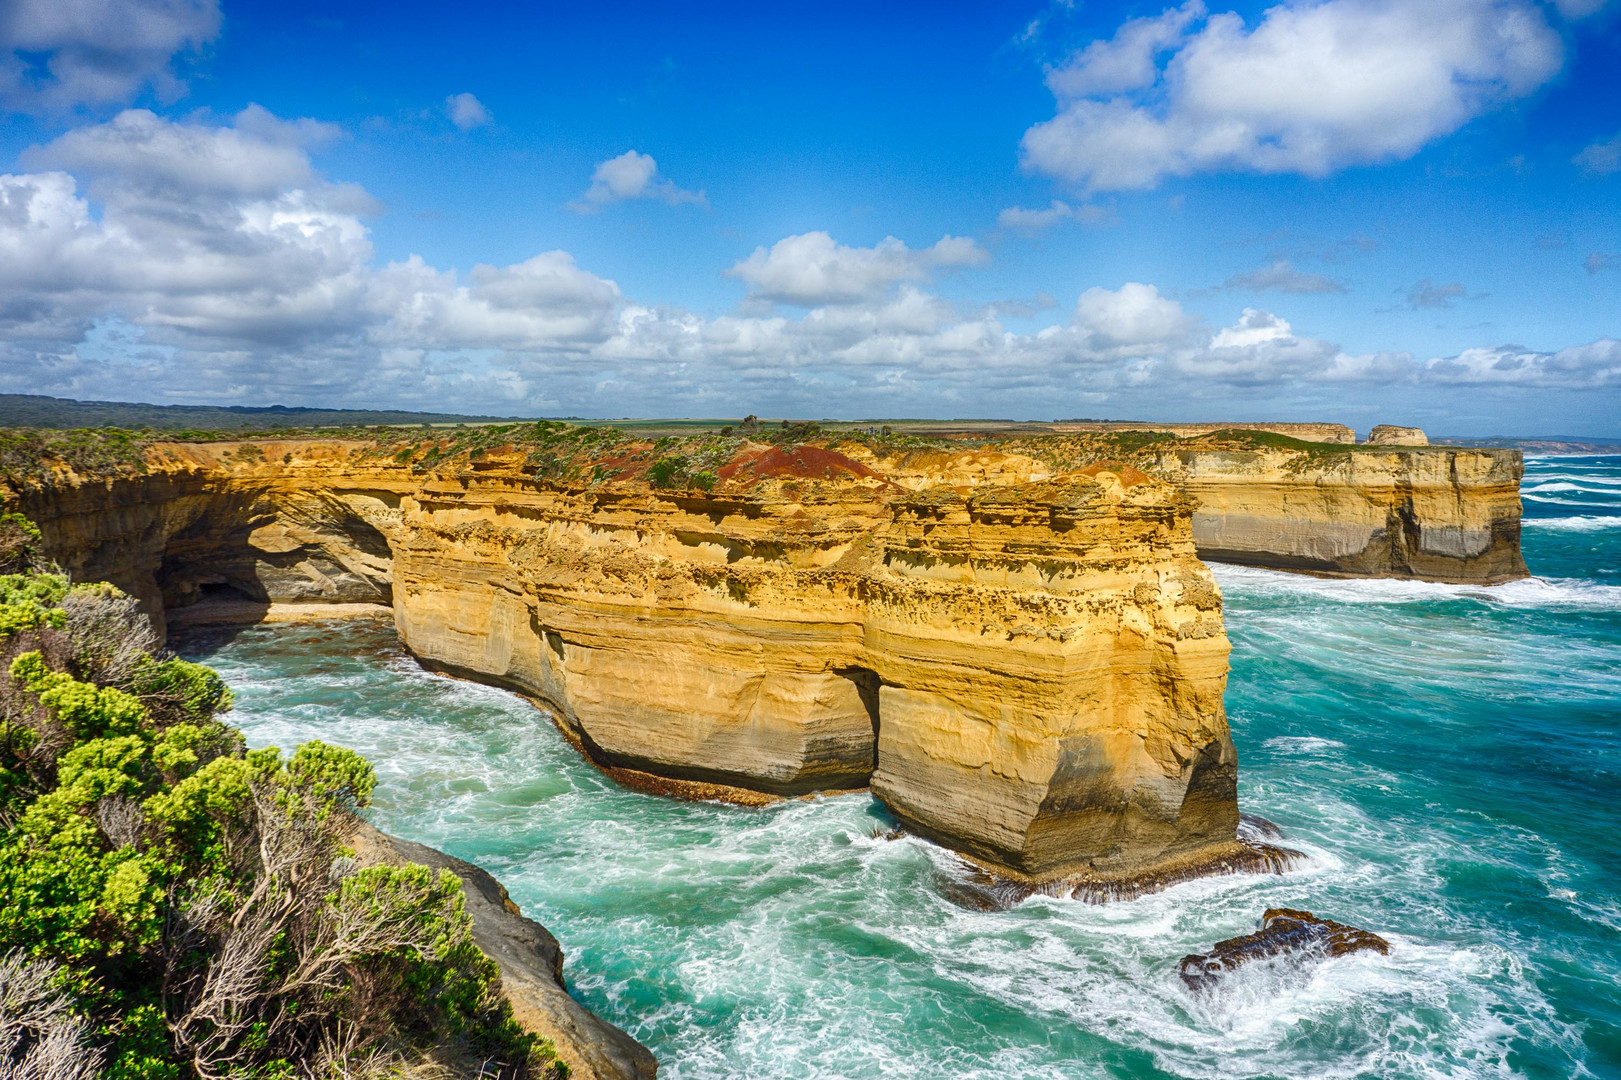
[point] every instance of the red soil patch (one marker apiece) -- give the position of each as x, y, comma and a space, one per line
1129, 477
796, 462
625, 466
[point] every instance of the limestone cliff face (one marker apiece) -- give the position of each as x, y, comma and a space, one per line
1410, 511
1318, 433
1028, 670
1396, 435
1030, 673
1440, 514
199, 519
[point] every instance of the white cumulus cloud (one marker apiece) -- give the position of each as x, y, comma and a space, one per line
195, 261
812, 269
466, 111
633, 175
1311, 88
59, 54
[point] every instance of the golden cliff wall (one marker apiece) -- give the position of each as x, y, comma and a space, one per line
1432, 513
1438, 513
1032, 674
1029, 672
200, 519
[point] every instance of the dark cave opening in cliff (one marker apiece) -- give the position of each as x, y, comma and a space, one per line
867, 683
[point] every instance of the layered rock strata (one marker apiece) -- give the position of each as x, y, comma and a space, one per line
1028, 672
1437, 514
1031, 674
1023, 658
1310, 432
1448, 514
1396, 435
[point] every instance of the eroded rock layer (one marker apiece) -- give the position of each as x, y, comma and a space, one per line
1015, 645
1030, 672
1437, 514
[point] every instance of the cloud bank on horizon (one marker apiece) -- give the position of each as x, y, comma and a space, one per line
169, 253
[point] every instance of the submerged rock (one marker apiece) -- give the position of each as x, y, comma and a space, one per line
1283, 930
1257, 829
979, 889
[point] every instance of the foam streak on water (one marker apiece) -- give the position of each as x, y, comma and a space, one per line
1446, 755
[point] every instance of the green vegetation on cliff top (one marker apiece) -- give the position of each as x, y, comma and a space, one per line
557, 450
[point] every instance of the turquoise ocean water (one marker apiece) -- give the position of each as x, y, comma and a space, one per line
1447, 756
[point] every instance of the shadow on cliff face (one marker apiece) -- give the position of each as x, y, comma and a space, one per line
867, 684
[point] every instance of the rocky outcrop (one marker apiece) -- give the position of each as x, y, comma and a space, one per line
531, 964
1030, 672
1395, 435
199, 521
1299, 935
1438, 514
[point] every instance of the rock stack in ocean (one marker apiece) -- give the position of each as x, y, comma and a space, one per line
1396, 435
1299, 935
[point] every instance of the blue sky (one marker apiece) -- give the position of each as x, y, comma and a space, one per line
1358, 210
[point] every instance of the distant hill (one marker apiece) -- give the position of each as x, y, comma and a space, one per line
38, 411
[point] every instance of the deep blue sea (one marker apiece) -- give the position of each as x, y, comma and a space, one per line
1449, 757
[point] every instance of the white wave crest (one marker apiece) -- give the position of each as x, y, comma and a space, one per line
1577, 478
1302, 744
1579, 523
1532, 592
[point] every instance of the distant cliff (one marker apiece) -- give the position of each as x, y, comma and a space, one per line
1386, 508
1439, 514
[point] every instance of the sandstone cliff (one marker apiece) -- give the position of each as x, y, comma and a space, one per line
1320, 433
1030, 672
1434, 513
1438, 514
1396, 435
1014, 644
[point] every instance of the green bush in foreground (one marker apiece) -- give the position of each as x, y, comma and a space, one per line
174, 907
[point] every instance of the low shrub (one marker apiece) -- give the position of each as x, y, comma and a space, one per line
174, 907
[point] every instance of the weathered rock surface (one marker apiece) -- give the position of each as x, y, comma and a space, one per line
531, 963
1319, 433
1029, 672
1395, 435
1023, 659
1299, 934
1439, 514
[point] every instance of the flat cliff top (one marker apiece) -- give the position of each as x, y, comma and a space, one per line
726, 459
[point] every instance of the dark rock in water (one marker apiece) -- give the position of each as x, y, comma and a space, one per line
1283, 930
972, 886
1255, 828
